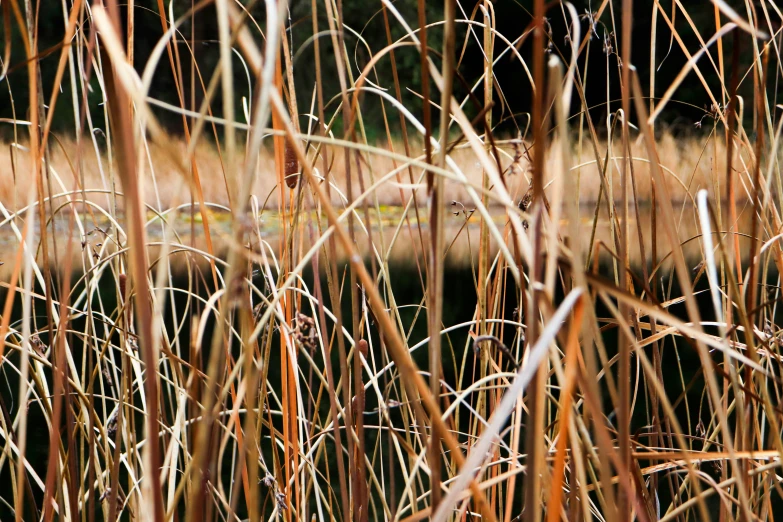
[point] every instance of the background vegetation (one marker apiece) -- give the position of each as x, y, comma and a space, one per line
198, 43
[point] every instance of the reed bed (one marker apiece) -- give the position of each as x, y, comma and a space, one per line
687, 166
166, 357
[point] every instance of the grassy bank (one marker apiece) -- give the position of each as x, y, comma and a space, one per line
688, 163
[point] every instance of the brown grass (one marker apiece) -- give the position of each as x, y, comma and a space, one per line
618, 362
689, 164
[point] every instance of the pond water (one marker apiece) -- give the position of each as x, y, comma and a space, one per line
397, 234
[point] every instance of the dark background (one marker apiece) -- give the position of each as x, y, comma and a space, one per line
365, 18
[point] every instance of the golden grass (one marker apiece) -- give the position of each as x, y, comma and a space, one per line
689, 164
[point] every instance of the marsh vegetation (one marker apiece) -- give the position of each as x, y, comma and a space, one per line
252, 269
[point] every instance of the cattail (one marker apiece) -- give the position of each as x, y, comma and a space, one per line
123, 279
291, 167
363, 347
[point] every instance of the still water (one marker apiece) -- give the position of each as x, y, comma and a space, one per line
398, 235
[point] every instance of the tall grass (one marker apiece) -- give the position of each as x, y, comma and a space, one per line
211, 324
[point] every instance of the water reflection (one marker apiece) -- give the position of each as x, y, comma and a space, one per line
400, 238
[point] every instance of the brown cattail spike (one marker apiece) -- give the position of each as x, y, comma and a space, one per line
123, 279
291, 167
363, 347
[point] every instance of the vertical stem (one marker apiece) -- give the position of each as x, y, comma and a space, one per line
484, 255
435, 291
227, 80
730, 184
331, 274
122, 125
624, 371
425, 86
534, 435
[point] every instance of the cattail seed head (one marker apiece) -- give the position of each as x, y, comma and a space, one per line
123, 280
291, 164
